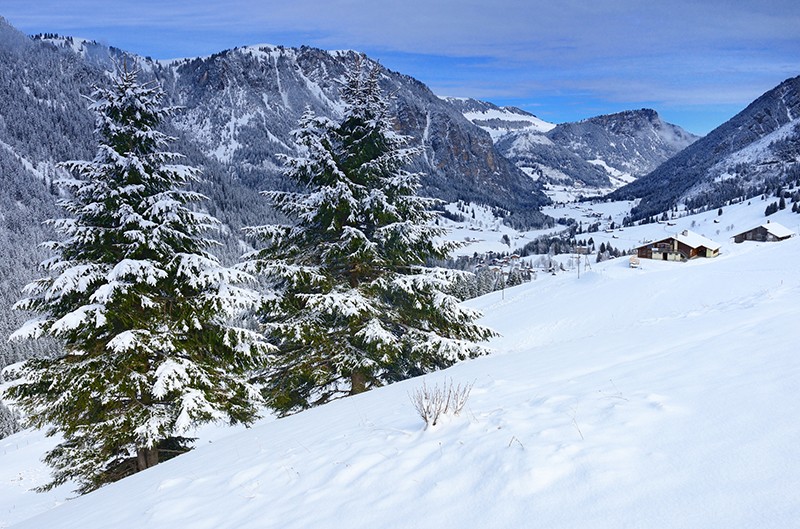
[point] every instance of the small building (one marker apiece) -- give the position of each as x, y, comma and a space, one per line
768, 232
681, 247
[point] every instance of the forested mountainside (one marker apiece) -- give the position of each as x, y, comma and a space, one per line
757, 151
550, 163
43, 119
239, 107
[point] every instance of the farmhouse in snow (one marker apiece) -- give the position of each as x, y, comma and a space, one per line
683, 246
769, 232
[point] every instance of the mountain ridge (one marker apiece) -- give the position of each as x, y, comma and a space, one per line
233, 135
707, 173
596, 153
265, 88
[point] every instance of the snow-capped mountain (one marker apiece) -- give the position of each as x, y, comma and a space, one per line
754, 152
631, 143
600, 152
239, 107
498, 121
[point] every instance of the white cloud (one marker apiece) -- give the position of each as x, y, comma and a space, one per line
677, 52
521, 30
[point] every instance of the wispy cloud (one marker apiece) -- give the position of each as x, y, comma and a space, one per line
681, 52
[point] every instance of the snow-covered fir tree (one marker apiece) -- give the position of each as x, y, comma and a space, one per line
143, 309
355, 306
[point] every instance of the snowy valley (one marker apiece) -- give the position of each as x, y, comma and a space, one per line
652, 397
619, 391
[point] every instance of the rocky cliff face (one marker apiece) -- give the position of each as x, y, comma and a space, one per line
242, 104
600, 153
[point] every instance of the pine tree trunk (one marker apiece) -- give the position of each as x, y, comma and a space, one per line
358, 382
146, 458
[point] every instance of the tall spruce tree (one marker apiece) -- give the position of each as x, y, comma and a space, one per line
141, 306
355, 306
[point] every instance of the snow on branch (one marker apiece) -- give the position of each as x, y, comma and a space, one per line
375, 333
75, 279
79, 317
137, 270
349, 304
33, 328
128, 340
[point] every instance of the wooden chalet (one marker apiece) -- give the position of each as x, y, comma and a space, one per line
768, 232
681, 247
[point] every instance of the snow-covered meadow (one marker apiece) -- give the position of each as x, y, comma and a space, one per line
659, 397
484, 233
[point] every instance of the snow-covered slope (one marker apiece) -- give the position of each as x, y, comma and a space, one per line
551, 163
498, 121
754, 152
600, 153
633, 142
662, 397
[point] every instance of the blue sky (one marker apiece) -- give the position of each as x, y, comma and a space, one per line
697, 62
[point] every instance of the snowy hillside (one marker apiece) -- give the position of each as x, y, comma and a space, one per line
632, 142
498, 121
753, 153
660, 397
596, 155
553, 164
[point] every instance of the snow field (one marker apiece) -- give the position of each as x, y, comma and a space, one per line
660, 397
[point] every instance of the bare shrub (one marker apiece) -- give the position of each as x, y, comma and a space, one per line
434, 402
